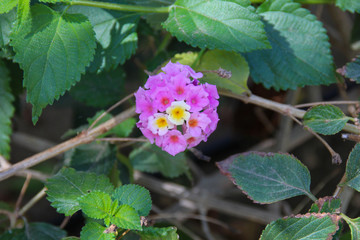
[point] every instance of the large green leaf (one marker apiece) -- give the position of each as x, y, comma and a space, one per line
267, 177
53, 49
93, 230
34, 231
7, 5
6, 110
352, 172
229, 25
135, 196
354, 225
325, 119
96, 204
150, 158
352, 70
154, 233
126, 217
6, 24
93, 157
300, 53
65, 188
315, 227
100, 90
349, 5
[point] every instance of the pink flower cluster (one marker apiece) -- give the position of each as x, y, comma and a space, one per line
176, 111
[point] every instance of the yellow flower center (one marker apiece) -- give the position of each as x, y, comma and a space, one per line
161, 122
177, 112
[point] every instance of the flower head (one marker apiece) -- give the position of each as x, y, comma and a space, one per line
176, 110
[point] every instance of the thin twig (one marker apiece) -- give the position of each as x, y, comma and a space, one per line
4, 164
340, 186
204, 224
114, 139
22, 193
65, 222
33, 201
326, 102
123, 234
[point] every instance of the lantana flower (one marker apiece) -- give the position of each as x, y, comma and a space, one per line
177, 111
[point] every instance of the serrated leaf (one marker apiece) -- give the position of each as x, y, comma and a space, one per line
126, 217
352, 172
230, 61
267, 177
52, 67
326, 205
35, 231
354, 225
349, 5
135, 196
6, 111
23, 12
352, 70
300, 55
7, 5
325, 119
154, 233
301, 228
150, 158
100, 90
7, 21
71, 238
67, 186
93, 230
97, 157
95, 204
227, 25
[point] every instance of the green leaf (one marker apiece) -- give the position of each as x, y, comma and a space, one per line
71, 238
352, 172
65, 188
6, 111
315, 226
325, 119
299, 56
52, 67
228, 25
352, 70
100, 90
349, 5
154, 233
7, 21
267, 177
7, 5
35, 231
126, 217
354, 225
230, 61
95, 204
135, 196
93, 230
150, 158
23, 12
93, 157
326, 205
54, 1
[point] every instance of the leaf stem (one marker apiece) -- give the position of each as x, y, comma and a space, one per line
121, 7
311, 196
197, 60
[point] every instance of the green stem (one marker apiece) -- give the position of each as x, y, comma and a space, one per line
197, 60
303, 1
121, 7
311, 196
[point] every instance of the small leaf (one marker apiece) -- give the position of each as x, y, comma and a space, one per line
52, 67
6, 111
354, 225
349, 5
352, 70
325, 119
326, 205
267, 177
154, 233
299, 56
97, 157
7, 21
150, 158
7, 5
228, 25
135, 196
35, 231
65, 188
315, 226
352, 172
100, 90
126, 217
93, 230
95, 204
